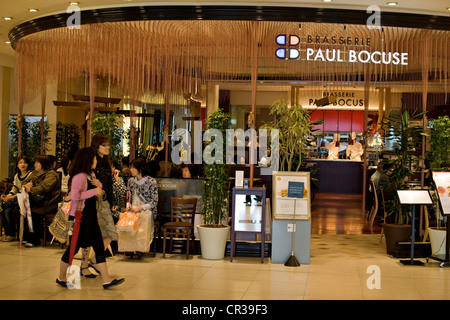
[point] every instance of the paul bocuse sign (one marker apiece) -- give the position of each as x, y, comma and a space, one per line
336, 55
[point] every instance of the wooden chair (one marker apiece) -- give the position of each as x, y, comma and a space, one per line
182, 214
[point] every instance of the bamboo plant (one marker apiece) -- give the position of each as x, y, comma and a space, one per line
295, 133
215, 186
408, 137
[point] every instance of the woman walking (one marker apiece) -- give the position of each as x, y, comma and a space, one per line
100, 144
85, 187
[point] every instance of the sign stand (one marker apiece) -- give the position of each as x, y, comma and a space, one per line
235, 228
295, 190
292, 261
414, 198
442, 180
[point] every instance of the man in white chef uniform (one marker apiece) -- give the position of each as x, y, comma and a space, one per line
333, 148
355, 149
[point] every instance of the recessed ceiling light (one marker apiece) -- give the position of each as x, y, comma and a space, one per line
392, 3
74, 3
7, 18
33, 10
7, 42
448, 8
326, 0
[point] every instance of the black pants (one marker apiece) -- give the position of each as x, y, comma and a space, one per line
35, 236
95, 240
98, 249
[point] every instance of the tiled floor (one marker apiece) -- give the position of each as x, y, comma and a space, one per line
343, 251
338, 270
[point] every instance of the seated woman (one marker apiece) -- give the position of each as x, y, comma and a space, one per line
43, 181
144, 200
143, 188
10, 215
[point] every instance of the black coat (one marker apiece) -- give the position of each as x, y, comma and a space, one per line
104, 174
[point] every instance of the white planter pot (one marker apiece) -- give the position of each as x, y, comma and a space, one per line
213, 241
437, 239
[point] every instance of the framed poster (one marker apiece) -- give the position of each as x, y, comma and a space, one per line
291, 194
442, 182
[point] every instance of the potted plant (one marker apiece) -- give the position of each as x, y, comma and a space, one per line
295, 133
408, 137
215, 232
439, 156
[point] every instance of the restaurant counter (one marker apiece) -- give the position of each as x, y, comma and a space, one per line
338, 176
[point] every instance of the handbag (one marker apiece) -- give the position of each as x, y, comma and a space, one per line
128, 222
61, 226
10, 204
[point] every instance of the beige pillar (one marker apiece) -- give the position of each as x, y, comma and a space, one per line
5, 100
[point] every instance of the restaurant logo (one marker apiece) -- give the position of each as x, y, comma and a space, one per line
291, 50
289, 41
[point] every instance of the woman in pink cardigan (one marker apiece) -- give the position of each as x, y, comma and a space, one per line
85, 187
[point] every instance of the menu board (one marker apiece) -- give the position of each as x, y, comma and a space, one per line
442, 182
414, 197
291, 195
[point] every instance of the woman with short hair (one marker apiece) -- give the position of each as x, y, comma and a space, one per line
44, 190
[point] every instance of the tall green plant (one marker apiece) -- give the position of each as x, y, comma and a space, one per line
111, 125
35, 138
215, 186
295, 129
31, 139
439, 153
407, 137
67, 138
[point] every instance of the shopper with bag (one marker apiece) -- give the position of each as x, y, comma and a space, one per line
143, 188
143, 191
85, 187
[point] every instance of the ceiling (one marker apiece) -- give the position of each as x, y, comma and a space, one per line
19, 9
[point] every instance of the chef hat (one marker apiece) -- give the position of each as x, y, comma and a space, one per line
353, 135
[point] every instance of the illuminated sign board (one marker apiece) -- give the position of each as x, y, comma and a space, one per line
291, 51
